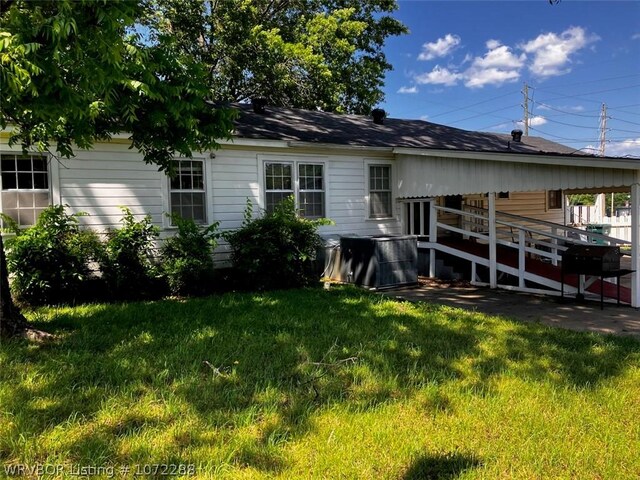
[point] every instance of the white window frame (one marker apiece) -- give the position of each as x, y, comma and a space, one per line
367, 170
295, 162
204, 191
47, 190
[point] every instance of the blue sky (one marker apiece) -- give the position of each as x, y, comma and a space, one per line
465, 63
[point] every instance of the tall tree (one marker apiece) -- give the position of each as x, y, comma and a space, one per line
75, 72
324, 54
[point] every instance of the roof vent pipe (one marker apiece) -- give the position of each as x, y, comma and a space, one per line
378, 115
516, 135
259, 105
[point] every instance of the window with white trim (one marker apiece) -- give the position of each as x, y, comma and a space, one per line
187, 196
25, 187
303, 180
380, 193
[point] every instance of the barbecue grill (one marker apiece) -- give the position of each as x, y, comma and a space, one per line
593, 260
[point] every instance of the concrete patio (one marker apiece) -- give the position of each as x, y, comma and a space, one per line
570, 314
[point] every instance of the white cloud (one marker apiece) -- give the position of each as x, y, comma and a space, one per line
439, 76
493, 44
533, 121
497, 66
440, 48
629, 147
489, 76
424, 118
412, 89
635, 36
552, 53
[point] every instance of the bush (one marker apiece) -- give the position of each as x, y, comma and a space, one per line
50, 262
187, 257
277, 250
128, 265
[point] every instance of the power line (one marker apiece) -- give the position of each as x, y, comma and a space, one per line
590, 81
625, 121
581, 96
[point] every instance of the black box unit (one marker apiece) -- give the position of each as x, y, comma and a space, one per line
590, 259
379, 261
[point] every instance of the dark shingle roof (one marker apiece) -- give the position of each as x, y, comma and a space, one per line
291, 124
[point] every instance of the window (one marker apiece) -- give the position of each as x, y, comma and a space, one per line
503, 195
25, 187
554, 199
380, 191
187, 192
303, 180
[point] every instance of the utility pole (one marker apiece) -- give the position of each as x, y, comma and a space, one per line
525, 120
603, 129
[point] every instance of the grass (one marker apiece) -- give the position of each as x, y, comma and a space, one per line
318, 384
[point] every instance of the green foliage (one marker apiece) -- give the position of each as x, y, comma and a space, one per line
187, 257
128, 266
306, 54
277, 250
50, 262
76, 71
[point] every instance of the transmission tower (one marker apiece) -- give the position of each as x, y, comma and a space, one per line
603, 129
525, 105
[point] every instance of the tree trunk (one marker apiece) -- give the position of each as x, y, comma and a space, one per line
12, 322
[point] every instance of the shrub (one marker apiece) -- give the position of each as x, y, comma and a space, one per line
128, 265
50, 262
187, 257
277, 250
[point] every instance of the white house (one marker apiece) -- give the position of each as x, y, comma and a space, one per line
380, 176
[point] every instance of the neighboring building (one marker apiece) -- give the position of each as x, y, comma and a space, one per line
383, 176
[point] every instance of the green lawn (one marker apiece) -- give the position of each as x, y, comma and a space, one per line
318, 384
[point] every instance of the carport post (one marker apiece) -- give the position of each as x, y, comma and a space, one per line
433, 237
635, 244
493, 273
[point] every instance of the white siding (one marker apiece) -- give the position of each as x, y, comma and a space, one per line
101, 180
236, 177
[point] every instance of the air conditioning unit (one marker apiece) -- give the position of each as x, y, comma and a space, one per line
380, 261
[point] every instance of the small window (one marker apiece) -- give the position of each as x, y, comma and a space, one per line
554, 199
453, 201
25, 187
305, 181
187, 195
380, 191
503, 195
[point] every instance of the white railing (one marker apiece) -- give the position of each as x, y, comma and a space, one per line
531, 238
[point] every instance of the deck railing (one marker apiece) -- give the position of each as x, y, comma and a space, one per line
531, 238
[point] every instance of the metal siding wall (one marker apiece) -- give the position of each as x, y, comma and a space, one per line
434, 176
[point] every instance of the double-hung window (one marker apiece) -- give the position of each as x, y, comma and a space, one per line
25, 187
305, 181
187, 191
380, 193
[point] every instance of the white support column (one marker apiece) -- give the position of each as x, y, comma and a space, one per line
635, 244
521, 258
433, 237
493, 271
